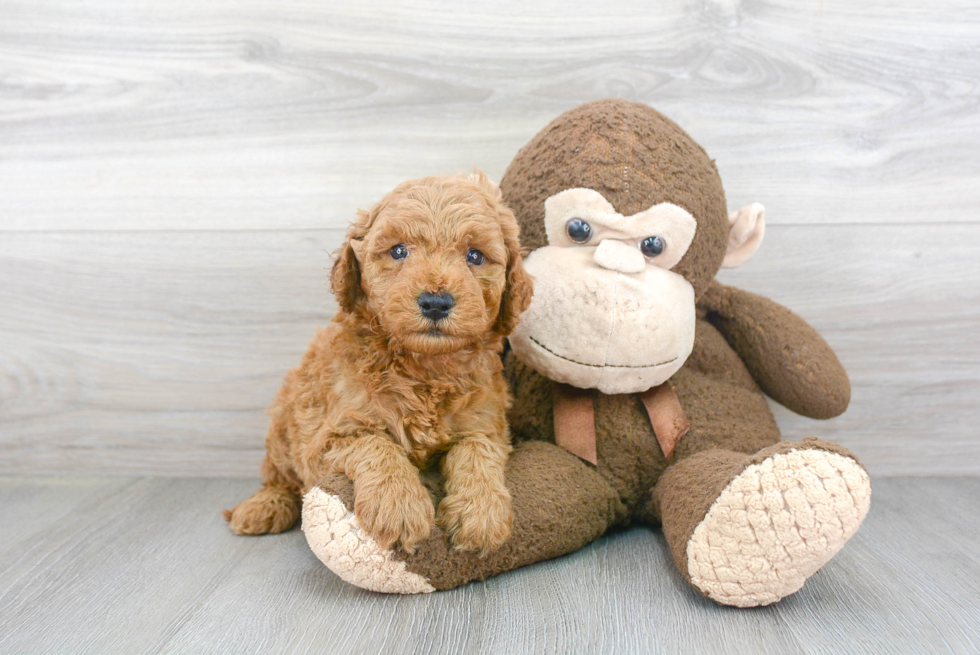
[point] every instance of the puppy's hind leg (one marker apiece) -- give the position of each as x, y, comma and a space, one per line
275, 507
272, 509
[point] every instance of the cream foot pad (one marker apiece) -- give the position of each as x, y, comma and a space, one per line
338, 540
775, 524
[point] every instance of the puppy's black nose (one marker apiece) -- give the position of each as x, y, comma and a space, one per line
435, 308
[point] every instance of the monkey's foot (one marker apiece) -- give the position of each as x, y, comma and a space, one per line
776, 523
337, 539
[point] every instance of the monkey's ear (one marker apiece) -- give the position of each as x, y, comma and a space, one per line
345, 276
746, 227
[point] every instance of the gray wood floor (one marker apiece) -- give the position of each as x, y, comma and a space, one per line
140, 565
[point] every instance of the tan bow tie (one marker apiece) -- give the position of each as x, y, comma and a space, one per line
575, 419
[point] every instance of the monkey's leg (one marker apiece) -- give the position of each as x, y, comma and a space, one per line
748, 530
559, 503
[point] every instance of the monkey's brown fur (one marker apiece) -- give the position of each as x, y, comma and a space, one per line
380, 393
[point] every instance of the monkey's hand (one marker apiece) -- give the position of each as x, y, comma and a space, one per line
790, 361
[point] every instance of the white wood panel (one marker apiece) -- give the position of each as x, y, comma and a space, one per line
148, 566
249, 115
152, 352
162, 362
173, 174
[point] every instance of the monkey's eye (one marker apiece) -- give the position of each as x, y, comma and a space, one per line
578, 230
475, 257
399, 251
652, 246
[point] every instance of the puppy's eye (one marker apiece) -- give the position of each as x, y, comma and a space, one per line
475, 257
652, 246
399, 251
578, 230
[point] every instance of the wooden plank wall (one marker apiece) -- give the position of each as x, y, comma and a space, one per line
173, 176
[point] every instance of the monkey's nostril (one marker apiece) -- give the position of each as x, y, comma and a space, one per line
436, 307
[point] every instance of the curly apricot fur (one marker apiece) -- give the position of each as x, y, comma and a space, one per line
382, 390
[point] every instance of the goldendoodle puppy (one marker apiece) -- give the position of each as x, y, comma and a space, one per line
429, 283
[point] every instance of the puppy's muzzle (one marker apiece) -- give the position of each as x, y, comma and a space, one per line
436, 307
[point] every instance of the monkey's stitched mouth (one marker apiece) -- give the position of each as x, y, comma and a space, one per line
569, 359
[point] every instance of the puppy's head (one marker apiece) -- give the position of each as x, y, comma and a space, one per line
436, 265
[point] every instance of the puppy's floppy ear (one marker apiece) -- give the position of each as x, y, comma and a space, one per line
517, 293
484, 182
345, 276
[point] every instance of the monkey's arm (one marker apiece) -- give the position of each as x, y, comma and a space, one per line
789, 360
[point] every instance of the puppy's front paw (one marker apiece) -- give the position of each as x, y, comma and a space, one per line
395, 512
479, 522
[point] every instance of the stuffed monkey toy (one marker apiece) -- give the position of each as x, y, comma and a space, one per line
638, 382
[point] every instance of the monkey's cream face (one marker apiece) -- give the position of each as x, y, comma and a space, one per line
608, 312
